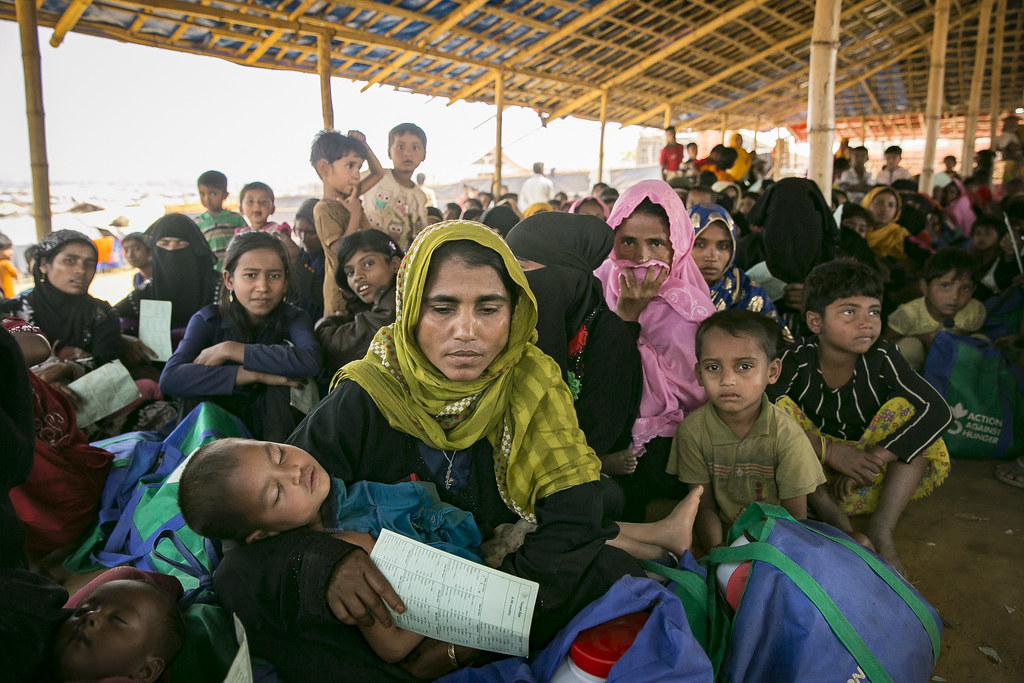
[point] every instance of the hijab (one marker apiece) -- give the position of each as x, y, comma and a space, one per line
535, 208
65, 318
886, 240
959, 211
571, 247
500, 218
669, 322
799, 232
519, 404
575, 207
181, 276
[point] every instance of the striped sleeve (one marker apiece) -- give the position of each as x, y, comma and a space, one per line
932, 415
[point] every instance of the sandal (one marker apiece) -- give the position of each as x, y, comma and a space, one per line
1013, 474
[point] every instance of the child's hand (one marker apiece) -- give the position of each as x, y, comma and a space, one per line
218, 354
840, 486
860, 466
290, 248
355, 134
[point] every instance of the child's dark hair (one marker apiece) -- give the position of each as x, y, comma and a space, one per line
174, 628
435, 212
214, 179
990, 222
364, 240
949, 259
610, 196
853, 210
670, 129
473, 213
839, 279
403, 128
231, 308
330, 145
204, 493
894, 149
472, 203
256, 187
306, 210
140, 237
649, 208
5, 241
475, 256
738, 322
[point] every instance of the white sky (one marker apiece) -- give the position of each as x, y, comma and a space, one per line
131, 115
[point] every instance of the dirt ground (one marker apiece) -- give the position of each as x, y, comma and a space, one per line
963, 548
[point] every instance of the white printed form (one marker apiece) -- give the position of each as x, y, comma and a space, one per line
455, 600
155, 326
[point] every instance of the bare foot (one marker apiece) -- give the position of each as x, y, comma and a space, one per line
618, 463
676, 530
886, 547
1012, 472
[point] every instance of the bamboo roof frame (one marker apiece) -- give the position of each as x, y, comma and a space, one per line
637, 61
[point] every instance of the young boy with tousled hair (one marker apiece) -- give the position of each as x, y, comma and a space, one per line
337, 159
398, 206
738, 445
875, 424
217, 224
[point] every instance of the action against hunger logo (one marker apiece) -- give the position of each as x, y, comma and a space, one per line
968, 425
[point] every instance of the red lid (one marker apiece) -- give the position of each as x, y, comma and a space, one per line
597, 649
737, 584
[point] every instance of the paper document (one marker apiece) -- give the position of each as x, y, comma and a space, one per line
155, 326
455, 600
305, 396
103, 391
241, 667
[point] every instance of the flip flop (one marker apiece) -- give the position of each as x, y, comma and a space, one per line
1016, 476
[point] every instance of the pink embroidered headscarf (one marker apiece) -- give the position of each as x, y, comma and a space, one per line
959, 210
669, 322
575, 208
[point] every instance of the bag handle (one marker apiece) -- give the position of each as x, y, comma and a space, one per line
836, 620
692, 592
191, 566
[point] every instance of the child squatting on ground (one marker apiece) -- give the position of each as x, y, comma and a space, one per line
249, 490
738, 444
948, 304
874, 422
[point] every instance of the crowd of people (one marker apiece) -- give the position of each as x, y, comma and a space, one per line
520, 375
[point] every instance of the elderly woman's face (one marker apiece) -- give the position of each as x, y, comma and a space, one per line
72, 269
465, 319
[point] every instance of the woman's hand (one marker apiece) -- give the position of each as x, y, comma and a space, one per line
357, 591
66, 353
253, 377
634, 296
134, 352
218, 354
55, 372
793, 295
860, 466
430, 659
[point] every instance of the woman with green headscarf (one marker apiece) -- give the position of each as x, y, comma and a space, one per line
453, 392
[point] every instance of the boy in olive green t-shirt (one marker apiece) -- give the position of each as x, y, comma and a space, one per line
740, 446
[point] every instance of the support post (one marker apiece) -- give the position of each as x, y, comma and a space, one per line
995, 101
821, 93
28, 27
757, 126
725, 125
600, 148
936, 74
499, 103
323, 66
977, 80
668, 113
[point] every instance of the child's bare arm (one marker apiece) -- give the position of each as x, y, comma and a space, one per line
709, 527
796, 506
364, 541
375, 168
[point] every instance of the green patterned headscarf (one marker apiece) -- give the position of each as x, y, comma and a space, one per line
520, 403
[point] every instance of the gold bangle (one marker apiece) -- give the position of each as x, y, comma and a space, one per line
451, 656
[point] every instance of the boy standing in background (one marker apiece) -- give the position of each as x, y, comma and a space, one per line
217, 224
398, 206
337, 159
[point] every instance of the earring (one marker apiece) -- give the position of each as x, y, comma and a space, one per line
231, 296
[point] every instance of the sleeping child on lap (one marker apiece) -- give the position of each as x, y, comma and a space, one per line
246, 490
738, 444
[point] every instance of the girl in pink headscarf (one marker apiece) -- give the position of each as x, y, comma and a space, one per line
590, 205
956, 205
652, 283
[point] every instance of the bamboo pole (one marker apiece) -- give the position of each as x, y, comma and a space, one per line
499, 103
977, 80
821, 93
936, 74
26, 12
323, 65
600, 148
668, 111
725, 125
756, 127
997, 80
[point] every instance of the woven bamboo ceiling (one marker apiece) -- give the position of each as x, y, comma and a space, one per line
745, 59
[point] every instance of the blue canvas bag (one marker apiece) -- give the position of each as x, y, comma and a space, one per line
664, 650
